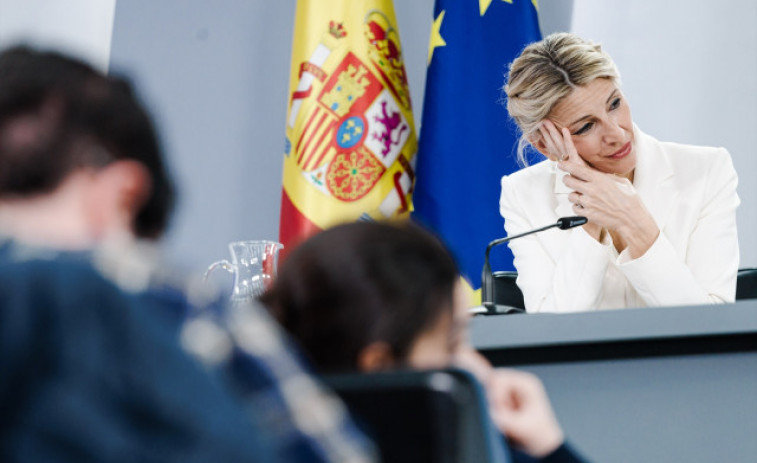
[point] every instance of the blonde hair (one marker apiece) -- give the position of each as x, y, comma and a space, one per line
547, 71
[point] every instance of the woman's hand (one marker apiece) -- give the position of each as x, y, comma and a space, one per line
609, 202
561, 149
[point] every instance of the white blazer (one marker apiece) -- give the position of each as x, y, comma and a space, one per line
691, 193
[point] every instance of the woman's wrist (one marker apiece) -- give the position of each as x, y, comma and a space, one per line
640, 236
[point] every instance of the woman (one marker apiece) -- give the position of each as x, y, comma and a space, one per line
370, 297
662, 216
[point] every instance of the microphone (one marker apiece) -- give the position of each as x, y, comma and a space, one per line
487, 279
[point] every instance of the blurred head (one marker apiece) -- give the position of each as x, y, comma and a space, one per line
369, 296
574, 83
59, 118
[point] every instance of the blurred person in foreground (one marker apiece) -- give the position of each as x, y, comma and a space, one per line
94, 329
375, 296
662, 216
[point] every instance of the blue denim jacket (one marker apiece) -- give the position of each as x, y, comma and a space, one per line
94, 367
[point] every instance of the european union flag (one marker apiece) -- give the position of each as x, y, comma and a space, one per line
466, 142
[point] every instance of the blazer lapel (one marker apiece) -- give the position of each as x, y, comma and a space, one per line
563, 207
555, 240
653, 178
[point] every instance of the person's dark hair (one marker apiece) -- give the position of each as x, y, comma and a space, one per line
58, 114
359, 283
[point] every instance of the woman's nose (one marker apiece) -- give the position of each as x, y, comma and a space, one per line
614, 133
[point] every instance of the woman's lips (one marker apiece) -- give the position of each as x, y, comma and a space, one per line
622, 152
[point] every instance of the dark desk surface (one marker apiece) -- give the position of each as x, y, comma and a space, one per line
533, 338
667, 384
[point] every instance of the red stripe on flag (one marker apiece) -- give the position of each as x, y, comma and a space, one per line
310, 137
305, 165
294, 227
304, 134
329, 149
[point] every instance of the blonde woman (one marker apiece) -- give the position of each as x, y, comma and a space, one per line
662, 216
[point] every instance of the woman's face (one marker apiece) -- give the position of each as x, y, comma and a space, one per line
599, 120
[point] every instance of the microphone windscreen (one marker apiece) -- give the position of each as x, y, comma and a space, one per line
570, 222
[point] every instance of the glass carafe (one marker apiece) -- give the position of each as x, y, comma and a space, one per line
253, 264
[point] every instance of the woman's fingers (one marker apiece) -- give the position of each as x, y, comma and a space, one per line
580, 203
578, 168
571, 154
550, 142
555, 141
575, 198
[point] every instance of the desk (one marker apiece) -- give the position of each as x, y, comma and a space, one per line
654, 385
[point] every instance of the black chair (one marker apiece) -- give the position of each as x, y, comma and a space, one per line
746, 284
436, 416
506, 292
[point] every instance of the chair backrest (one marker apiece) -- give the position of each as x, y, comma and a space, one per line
506, 292
434, 416
746, 284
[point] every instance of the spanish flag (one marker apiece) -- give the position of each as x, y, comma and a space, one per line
350, 138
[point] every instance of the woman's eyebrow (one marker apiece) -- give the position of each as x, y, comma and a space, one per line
612, 95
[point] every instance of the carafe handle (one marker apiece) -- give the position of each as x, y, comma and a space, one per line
224, 264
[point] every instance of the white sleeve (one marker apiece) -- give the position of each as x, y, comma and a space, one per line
569, 282
707, 273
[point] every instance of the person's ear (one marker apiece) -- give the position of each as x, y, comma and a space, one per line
135, 184
119, 191
376, 356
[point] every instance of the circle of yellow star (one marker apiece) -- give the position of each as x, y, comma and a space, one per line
436, 39
483, 5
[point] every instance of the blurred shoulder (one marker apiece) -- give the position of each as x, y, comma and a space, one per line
43, 271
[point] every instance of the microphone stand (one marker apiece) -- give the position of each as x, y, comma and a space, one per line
487, 278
